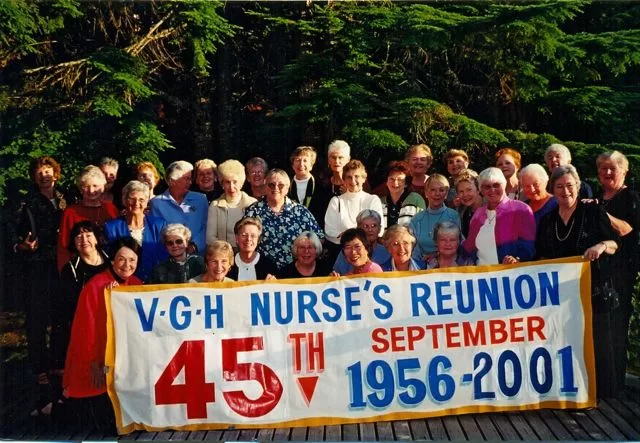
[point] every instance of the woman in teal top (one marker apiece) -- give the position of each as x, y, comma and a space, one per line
423, 224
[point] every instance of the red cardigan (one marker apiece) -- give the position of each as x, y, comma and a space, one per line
88, 343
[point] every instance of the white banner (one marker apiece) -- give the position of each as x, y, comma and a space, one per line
338, 350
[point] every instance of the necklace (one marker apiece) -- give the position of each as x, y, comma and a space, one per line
568, 232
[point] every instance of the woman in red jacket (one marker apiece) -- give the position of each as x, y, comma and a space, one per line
84, 372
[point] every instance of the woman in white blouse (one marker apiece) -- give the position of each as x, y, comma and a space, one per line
344, 209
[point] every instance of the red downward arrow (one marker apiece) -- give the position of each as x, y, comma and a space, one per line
307, 386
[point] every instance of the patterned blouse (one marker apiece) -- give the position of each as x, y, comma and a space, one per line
279, 231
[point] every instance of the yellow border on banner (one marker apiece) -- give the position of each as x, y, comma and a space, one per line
589, 357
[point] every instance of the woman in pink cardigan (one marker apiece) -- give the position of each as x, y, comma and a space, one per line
503, 230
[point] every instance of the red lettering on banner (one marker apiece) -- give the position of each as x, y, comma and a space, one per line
456, 335
234, 371
315, 351
535, 325
195, 392
515, 324
296, 339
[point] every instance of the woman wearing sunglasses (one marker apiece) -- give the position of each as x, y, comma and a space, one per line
181, 266
282, 219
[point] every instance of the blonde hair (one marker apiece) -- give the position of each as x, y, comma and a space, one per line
421, 147
219, 246
231, 168
439, 178
301, 151
451, 153
467, 175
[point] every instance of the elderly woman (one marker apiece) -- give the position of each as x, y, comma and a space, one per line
282, 219
338, 155
147, 173
306, 189
205, 178
306, 249
422, 224
370, 222
559, 155
226, 210
145, 229
353, 243
447, 237
534, 180
576, 228
249, 264
469, 196
400, 243
457, 161
218, 259
84, 371
91, 182
343, 210
508, 160
400, 203
33, 234
179, 205
623, 210
503, 230
181, 266
256, 168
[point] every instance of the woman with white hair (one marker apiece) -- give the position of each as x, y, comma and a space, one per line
534, 180
144, 229
338, 155
622, 206
181, 266
91, 182
503, 230
180, 205
399, 241
559, 155
306, 250
371, 223
226, 210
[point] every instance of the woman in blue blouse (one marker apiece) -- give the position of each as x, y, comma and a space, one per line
145, 229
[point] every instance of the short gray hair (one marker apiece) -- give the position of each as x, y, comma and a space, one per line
446, 226
368, 213
177, 169
492, 174
557, 147
307, 235
134, 186
394, 230
254, 161
561, 171
231, 168
279, 172
108, 161
535, 170
616, 157
340, 146
90, 172
176, 229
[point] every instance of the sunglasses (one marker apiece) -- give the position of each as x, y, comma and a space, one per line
272, 186
178, 242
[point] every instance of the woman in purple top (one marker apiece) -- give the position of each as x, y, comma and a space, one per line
503, 230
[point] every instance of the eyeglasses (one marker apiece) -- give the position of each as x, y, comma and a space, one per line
178, 242
489, 186
272, 186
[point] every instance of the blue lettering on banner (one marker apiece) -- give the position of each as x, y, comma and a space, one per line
146, 321
377, 297
176, 323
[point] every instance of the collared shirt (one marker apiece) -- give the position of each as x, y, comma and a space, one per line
279, 231
192, 213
